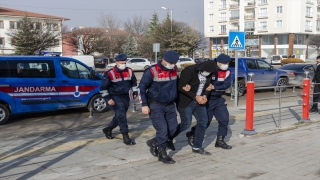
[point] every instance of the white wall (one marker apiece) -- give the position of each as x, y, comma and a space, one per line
8, 49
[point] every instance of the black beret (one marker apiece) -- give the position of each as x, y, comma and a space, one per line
121, 57
223, 58
171, 56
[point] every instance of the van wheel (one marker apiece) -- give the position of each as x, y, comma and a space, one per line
4, 114
282, 82
98, 104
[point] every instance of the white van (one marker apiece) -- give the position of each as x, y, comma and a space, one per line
86, 59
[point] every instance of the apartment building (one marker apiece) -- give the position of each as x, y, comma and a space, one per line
9, 19
273, 26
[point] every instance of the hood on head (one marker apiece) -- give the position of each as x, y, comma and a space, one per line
209, 66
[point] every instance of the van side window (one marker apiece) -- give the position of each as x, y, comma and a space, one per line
4, 70
263, 65
251, 64
72, 69
32, 69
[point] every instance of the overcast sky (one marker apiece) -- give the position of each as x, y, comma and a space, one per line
85, 12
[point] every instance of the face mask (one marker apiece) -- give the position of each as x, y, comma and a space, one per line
121, 66
224, 66
205, 73
169, 66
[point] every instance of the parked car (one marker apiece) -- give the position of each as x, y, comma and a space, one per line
264, 74
136, 64
184, 60
296, 72
30, 84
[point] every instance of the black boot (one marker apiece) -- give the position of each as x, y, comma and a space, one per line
314, 108
170, 145
190, 137
108, 132
127, 140
220, 143
164, 157
153, 148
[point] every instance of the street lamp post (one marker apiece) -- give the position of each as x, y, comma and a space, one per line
170, 21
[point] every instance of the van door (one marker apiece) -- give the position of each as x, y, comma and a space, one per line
34, 84
6, 94
253, 68
268, 74
76, 87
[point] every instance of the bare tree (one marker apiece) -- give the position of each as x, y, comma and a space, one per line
85, 40
314, 41
30, 36
137, 25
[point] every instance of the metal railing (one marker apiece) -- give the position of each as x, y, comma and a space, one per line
250, 102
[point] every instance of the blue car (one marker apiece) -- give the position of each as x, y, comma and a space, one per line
46, 83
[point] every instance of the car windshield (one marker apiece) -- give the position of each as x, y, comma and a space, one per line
184, 59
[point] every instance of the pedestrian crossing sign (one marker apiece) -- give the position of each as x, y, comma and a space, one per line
236, 40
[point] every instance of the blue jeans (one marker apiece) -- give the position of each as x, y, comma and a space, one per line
200, 113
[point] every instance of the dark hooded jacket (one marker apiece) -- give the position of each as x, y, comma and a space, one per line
190, 76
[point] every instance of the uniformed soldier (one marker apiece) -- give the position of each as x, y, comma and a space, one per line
158, 89
221, 80
117, 85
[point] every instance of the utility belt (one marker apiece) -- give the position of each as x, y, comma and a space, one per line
157, 102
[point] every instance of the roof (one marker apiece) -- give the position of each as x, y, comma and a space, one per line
15, 12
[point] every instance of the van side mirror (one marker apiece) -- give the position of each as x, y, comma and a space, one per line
92, 74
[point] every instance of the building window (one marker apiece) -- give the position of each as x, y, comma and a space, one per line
249, 26
267, 39
279, 10
263, 13
1, 41
235, 15
264, 1
52, 26
308, 25
210, 16
211, 28
282, 39
278, 23
223, 29
223, 16
300, 39
211, 4
308, 11
14, 25
1, 24
318, 25
263, 26
223, 4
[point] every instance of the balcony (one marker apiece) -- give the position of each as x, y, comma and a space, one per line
234, 6
248, 28
223, 19
309, 2
263, 28
250, 5
223, 7
249, 16
308, 28
308, 14
234, 18
263, 15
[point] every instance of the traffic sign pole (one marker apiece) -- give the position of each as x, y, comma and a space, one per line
236, 80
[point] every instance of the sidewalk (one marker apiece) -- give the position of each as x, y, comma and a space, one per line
87, 154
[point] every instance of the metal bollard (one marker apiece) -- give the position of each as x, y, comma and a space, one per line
275, 91
249, 108
293, 89
91, 113
306, 98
